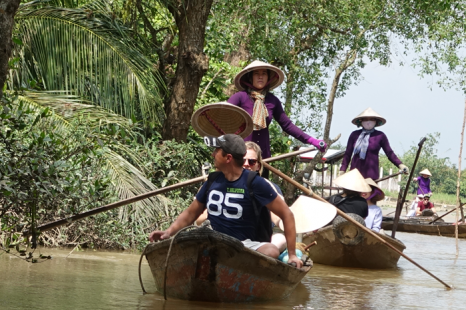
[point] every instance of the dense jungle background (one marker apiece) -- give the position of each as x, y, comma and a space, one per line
98, 96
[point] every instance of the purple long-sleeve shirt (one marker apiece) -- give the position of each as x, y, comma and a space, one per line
424, 185
275, 109
368, 167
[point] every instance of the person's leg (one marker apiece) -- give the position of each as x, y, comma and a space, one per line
279, 241
263, 247
269, 249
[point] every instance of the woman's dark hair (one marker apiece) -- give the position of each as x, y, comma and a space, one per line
350, 193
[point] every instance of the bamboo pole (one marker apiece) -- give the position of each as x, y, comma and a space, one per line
388, 177
349, 219
159, 191
400, 202
458, 200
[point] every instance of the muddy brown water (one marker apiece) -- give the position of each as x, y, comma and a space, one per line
109, 280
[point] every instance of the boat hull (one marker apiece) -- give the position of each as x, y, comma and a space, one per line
208, 266
423, 227
368, 253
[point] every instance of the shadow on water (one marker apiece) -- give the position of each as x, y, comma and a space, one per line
109, 280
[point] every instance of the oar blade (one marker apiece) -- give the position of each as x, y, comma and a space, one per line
311, 214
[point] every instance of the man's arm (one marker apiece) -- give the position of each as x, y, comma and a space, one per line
279, 207
186, 218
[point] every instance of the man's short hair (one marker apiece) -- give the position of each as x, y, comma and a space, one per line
230, 144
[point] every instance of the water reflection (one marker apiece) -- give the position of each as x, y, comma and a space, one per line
109, 280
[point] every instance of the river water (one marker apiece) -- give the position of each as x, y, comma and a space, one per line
109, 280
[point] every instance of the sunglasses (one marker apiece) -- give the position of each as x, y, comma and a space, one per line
426, 198
251, 162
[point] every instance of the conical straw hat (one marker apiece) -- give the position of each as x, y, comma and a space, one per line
311, 214
373, 184
426, 171
256, 65
221, 118
354, 181
369, 113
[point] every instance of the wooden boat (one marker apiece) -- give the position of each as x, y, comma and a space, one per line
421, 225
345, 245
205, 265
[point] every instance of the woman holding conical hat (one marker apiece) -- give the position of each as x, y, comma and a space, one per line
424, 182
364, 145
350, 201
374, 218
254, 83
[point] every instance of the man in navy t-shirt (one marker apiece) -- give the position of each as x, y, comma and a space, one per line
228, 204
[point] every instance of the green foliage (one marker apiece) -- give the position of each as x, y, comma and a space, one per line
444, 173
44, 174
89, 53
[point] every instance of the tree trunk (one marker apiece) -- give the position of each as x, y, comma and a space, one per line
8, 10
191, 18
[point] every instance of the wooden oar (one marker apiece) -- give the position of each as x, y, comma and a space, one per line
399, 205
438, 218
388, 177
159, 191
117, 204
349, 219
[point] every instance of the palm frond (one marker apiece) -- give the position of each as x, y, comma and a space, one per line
127, 180
88, 53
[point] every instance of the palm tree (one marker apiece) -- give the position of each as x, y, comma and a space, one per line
87, 67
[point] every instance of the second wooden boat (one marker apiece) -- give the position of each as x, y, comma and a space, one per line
422, 226
345, 245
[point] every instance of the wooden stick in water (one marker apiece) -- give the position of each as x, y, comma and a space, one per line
349, 219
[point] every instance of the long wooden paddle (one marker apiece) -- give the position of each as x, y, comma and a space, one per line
162, 190
345, 216
388, 177
438, 218
399, 205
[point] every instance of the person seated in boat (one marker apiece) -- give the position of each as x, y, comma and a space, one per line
253, 162
362, 150
350, 201
413, 206
425, 204
229, 206
424, 182
374, 218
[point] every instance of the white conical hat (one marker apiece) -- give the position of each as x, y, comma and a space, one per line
354, 181
426, 171
221, 118
256, 65
311, 214
379, 196
369, 113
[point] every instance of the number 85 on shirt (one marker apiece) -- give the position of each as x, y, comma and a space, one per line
217, 198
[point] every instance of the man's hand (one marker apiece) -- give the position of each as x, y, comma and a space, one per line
296, 260
157, 235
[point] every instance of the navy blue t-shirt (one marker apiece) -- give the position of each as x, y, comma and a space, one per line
229, 206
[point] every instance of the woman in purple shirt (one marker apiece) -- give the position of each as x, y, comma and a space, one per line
364, 145
424, 182
254, 82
